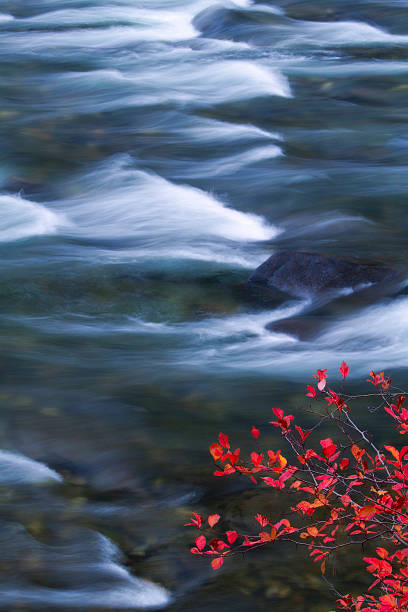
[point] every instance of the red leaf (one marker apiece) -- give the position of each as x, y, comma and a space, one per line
227, 470
270, 481
216, 451
254, 431
357, 452
224, 440
218, 545
393, 451
344, 369
402, 452
233, 457
262, 520
256, 459
247, 542
391, 412
278, 412
313, 531
366, 512
303, 435
201, 542
311, 391
231, 536
344, 463
196, 520
213, 519
216, 563
328, 447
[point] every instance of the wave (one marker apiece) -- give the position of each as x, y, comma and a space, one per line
21, 218
154, 216
18, 469
377, 336
233, 163
87, 565
186, 82
348, 32
228, 80
244, 325
304, 34
147, 25
108, 26
221, 131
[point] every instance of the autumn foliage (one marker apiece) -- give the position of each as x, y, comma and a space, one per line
346, 492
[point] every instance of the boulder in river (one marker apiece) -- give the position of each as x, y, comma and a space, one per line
308, 275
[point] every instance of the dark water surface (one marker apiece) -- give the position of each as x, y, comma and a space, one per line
154, 152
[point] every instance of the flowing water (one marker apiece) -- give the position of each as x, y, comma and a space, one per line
155, 152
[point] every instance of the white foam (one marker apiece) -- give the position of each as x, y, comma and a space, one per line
224, 81
149, 22
124, 24
266, 8
218, 45
345, 32
220, 131
90, 565
200, 5
18, 469
376, 338
146, 25
119, 202
244, 325
20, 218
182, 81
187, 82
139, 594
234, 163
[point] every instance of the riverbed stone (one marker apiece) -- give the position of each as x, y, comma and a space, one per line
307, 275
301, 327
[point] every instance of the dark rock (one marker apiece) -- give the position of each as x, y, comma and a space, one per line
306, 275
302, 328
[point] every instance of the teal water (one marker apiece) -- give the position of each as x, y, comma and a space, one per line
153, 153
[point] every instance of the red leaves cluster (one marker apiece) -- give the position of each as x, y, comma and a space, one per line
348, 492
283, 421
321, 377
399, 413
379, 380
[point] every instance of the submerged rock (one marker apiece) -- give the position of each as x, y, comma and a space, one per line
301, 328
308, 275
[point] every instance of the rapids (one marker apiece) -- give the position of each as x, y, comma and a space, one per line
154, 153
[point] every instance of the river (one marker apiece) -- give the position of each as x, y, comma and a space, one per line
154, 153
